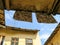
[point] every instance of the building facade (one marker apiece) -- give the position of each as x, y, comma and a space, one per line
13, 36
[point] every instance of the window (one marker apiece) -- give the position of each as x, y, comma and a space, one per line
29, 42
14, 41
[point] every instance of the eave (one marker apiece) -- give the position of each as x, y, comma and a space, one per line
41, 6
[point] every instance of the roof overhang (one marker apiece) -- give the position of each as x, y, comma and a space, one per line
18, 29
43, 6
21, 29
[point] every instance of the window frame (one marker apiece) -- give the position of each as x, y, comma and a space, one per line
28, 39
17, 40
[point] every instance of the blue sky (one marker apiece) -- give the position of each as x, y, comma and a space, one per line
45, 29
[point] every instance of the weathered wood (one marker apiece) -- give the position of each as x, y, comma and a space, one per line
7, 4
57, 9
23, 16
2, 18
1, 4
28, 5
43, 18
31, 5
42, 6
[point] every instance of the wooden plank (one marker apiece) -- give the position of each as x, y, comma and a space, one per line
2, 18
1, 4
42, 6
23, 16
57, 9
7, 4
31, 5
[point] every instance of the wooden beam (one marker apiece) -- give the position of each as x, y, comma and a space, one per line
1, 4
7, 4
56, 8
54, 5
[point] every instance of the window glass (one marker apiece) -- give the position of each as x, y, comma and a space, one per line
14, 41
29, 42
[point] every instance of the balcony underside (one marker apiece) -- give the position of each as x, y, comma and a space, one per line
42, 6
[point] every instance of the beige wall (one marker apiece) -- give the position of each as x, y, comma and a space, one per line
56, 39
21, 35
